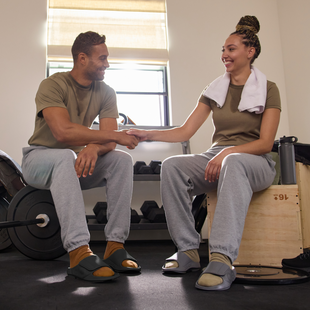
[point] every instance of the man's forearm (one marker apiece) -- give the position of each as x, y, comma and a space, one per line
78, 135
104, 148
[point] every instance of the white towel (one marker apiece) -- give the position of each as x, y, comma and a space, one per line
254, 93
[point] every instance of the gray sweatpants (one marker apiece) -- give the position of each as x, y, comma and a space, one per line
182, 177
53, 169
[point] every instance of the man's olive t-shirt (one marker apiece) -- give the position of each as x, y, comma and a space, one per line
232, 127
83, 104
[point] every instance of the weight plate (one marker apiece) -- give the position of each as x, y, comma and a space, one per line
5, 240
269, 275
43, 243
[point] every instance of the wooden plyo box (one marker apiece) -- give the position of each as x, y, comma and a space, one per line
303, 181
272, 228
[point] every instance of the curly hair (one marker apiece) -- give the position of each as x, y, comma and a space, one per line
84, 43
247, 28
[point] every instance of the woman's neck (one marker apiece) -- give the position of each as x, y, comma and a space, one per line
240, 78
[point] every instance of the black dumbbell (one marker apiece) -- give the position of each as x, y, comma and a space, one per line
157, 215
147, 206
100, 210
134, 217
137, 166
156, 166
152, 212
141, 167
145, 169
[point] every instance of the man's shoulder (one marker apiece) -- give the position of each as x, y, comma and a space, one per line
101, 84
60, 78
104, 88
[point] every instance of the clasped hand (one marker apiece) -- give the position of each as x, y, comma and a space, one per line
87, 158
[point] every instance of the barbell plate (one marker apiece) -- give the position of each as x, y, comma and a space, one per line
269, 275
5, 240
42, 243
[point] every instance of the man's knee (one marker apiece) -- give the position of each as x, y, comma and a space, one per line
121, 159
66, 156
42, 165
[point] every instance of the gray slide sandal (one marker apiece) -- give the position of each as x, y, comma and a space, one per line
184, 262
222, 270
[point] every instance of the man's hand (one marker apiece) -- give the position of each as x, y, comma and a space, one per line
140, 134
86, 160
124, 139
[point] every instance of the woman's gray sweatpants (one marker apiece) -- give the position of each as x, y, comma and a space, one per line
53, 169
182, 177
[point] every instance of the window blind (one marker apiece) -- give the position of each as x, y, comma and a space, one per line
133, 29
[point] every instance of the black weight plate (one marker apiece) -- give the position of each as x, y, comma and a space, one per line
5, 240
269, 275
43, 243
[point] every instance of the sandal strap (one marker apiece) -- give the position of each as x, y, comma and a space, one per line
85, 268
217, 268
93, 263
184, 262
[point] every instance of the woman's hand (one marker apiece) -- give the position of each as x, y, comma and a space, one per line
214, 166
140, 134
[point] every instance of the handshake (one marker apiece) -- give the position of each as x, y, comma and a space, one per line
131, 138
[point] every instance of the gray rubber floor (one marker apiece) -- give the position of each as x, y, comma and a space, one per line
29, 284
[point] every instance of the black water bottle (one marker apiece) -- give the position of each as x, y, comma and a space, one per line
287, 159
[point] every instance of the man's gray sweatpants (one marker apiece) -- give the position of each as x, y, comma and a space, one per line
182, 177
53, 169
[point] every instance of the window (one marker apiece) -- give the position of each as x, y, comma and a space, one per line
136, 32
141, 90
135, 29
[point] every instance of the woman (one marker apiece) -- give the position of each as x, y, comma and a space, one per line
245, 111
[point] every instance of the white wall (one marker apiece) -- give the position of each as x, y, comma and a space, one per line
295, 24
23, 66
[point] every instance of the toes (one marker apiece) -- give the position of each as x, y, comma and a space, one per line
129, 263
104, 272
172, 264
208, 279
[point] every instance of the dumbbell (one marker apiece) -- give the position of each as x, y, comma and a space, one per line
156, 166
100, 210
140, 167
134, 216
152, 212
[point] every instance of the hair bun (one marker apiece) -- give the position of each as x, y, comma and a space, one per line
249, 23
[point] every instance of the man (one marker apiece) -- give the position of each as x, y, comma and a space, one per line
65, 156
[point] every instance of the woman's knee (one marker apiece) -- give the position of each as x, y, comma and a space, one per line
235, 160
171, 163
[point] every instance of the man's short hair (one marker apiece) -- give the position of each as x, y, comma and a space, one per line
84, 43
